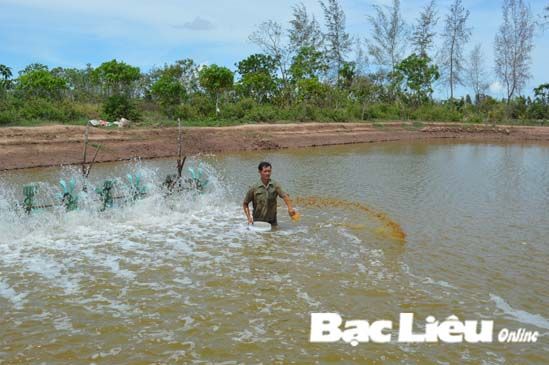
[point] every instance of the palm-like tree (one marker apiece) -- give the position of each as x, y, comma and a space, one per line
5, 77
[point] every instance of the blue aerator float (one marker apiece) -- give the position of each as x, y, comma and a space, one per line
69, 198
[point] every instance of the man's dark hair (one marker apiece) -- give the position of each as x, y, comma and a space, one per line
263, 164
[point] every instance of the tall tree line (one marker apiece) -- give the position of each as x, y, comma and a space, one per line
315, 61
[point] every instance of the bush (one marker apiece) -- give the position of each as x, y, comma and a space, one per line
185, 112
538, 110
232, 111
474, 118
9, 116
262, 113
354, 111
203, 106
382, 111
118, 106
13, 110
497, 113
43, 109
337, 115
88, 110
247, 104
437, 113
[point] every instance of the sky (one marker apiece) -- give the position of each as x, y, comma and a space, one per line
72, 33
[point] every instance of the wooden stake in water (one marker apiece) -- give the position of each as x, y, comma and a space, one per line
97, 148
84, 167
180, 159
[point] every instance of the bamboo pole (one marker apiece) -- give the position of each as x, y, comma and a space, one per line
85, 149
93, 160
180, 159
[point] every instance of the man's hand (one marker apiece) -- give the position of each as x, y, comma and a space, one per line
291, 212
247, 213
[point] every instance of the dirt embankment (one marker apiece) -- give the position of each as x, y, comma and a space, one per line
22, 147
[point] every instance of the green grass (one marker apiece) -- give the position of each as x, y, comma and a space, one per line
378, 125
40, 122
160, 121
416, 125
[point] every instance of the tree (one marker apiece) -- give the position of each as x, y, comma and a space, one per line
116, 78
183, 71
513, 46
215, 80
5, 79
308, 63
257, 77
168, 91
539, 108
311, 91
361, 56
542, 93
347, 74
414, 76
366, 91
187, 73
120, 106
269, 36
338, 41
455, 36
39, 82
304, 31
80, 83
389, 35
33, 67
476, 75
424, 32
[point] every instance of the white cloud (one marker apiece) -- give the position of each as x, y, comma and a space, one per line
496, 87
198, 23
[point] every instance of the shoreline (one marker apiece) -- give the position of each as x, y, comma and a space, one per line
46, 146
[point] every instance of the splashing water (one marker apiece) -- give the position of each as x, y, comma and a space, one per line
157, 271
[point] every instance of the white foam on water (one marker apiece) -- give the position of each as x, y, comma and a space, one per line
441, 283
427, 280
520, 315
113, 263
254, 333
7, 292
53, 272
65, 248
183, 281
64, 323
302, 294
349, 236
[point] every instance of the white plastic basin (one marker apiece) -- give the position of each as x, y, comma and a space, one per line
260, 226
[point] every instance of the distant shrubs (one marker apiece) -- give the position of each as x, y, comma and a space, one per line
15, 111
200, 109
248, 110
120, 106
437, 112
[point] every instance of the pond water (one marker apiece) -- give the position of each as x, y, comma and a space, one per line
425, 228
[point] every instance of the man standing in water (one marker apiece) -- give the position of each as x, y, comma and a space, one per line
263, 197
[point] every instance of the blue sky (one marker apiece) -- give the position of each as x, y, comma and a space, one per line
145, 33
